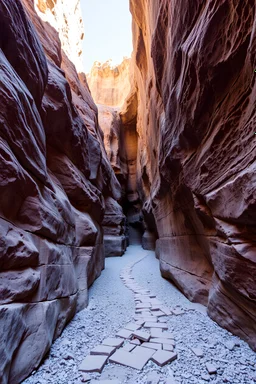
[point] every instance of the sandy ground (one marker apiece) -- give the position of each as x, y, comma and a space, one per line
111, 306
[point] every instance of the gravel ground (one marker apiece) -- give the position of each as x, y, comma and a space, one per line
235, 361
111, 306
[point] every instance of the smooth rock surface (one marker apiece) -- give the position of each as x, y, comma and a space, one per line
194, 85
55, 178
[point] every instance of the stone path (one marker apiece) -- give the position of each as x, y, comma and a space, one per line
139, 307
144, 339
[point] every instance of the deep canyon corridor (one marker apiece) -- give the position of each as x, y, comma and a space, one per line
128, 195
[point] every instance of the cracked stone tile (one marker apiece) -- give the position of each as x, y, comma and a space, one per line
124, 333
159, 313
161, 340
113, 342
128, 347
156, 332
198, 352
150, 319
93, 363
156, 301
155, 307
103, 350
168, 347
132, 359
155, 325
132, 326
211, 368
141, 335
162, 358
177, 311
166, 311
162, 320
154, 346
143, 306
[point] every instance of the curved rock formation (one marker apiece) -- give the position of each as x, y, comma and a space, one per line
194, 68
55, 183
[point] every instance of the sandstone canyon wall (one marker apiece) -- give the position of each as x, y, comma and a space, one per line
110, 84
110, 87
194, 80
56, 183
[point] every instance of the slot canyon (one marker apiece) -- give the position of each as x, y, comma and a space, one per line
128, 197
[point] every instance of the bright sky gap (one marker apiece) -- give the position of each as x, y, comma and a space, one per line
108, 32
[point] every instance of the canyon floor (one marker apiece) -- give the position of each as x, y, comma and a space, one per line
112, 306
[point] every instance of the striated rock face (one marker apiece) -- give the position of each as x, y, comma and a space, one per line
65, 17
194, 67
110, 84
110, 87
55, 183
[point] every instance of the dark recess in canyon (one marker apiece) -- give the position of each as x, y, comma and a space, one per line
171, 164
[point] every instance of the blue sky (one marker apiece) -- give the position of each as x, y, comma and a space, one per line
108, 33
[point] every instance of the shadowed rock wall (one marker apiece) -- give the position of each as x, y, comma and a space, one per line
55, 182
194, 65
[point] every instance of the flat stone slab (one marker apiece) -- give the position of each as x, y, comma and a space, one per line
144, 300
161, 340
146, 353
113, 342
124, 333
211, 368
162, 319
143, 312
177, 311
141, 335
156, 332
155, 307
198, 352
135, 342
140, 322
162, 358
132, 359
103, 350
132, 326
155, 325
93, 363
154, 346
128, 347
150, 319
143, 306
159, 313
166, 311
156, 301
168, 347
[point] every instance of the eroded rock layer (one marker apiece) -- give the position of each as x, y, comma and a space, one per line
55, 183
110, 84
195, 83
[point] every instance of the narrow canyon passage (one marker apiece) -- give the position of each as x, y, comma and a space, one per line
112, 306
147, 168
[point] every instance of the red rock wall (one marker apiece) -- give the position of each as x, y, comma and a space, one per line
194, 65
55, 179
